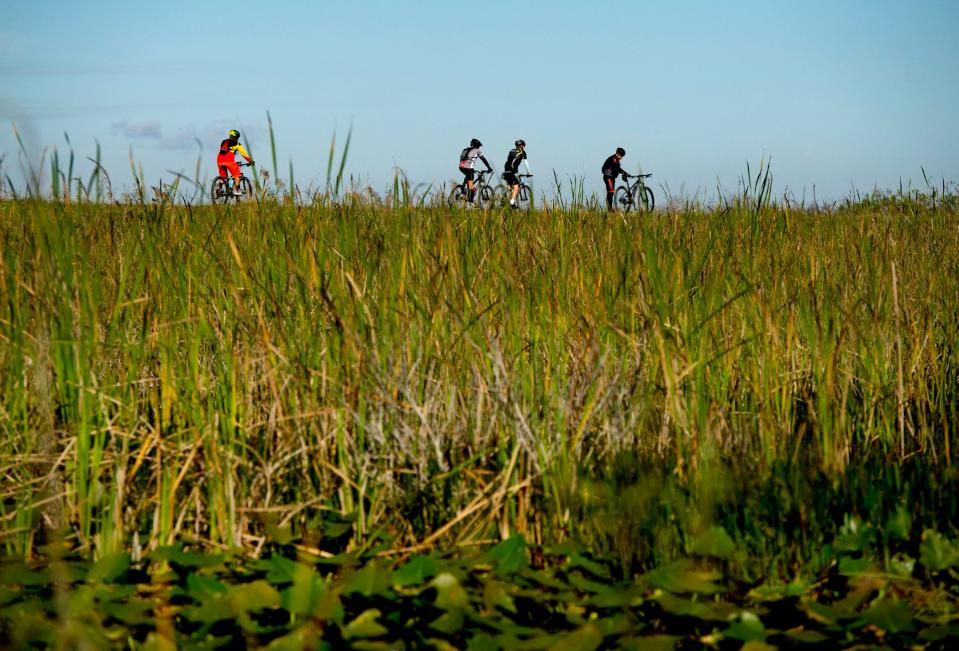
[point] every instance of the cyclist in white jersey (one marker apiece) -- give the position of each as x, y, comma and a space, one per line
468, 162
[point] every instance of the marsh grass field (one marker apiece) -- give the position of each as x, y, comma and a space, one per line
348, 423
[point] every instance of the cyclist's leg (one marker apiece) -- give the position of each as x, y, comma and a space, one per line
470, 186
234, 171
610, 183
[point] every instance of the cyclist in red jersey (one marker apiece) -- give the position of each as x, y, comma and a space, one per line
226, 160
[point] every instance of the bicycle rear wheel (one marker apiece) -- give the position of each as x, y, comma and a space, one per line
623, 200
457, 198
644, 199
219, 192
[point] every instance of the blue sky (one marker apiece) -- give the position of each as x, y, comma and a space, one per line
839, 94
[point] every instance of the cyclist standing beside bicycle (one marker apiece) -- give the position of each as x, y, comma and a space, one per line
612, 169
513, 160
467, 164
226, 160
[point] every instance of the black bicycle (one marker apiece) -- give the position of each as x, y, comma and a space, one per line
223, 191
637, 196
524, 198
459, 196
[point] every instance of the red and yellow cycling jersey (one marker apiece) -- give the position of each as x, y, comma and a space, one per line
226, 160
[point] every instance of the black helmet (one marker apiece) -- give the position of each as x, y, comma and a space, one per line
475, 143
520, 143
234, 134
620, 151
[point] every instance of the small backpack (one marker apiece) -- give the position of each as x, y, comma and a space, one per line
465, 154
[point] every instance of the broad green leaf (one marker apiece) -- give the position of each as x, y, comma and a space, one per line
899, 524
937, 633
450, 595
175, 554
449, 622
203, 587
890, 615
757, 645
280, 569
649, 643
109, 568
937, 552
237, 600
303, 596
682, 576
706, 610
853, 566
715, 542
585, 638
415, 571
482, 642
496, 594
747, 627
902, 565
596, 569
509, 555
372, 579
297, 640
805, 636
365, 625
130, 613
18, 573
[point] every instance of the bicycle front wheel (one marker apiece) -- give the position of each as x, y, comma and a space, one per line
623, 200
246, 188
485, 196
500, 196
644, 199
219, 190
524, 197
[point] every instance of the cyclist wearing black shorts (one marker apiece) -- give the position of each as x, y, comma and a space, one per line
468, 161
513, 160
612, 169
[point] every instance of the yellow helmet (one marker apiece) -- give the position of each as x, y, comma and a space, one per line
234, 134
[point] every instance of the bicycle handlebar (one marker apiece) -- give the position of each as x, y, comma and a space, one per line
638, 176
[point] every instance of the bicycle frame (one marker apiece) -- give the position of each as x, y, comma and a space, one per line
639, 183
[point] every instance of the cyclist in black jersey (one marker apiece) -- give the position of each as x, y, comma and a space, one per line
612, 169
467, 163
516, 156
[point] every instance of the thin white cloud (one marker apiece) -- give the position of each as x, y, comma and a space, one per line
139, 130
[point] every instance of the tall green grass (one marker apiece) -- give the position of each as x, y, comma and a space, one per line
174, 372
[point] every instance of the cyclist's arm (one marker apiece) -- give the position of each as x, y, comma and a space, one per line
242, 152
486, 162
526, 165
